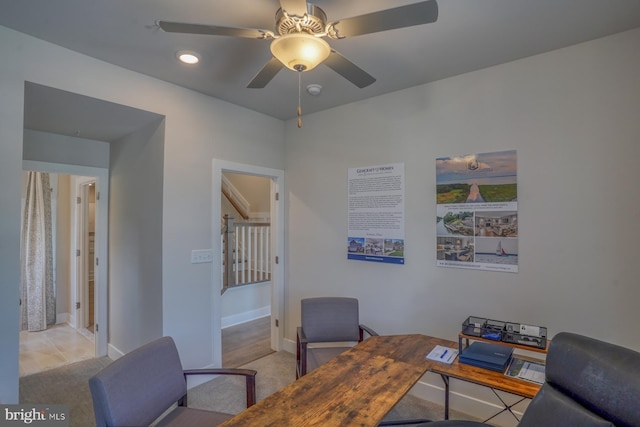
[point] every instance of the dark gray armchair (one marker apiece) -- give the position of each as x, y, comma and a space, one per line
326, 320
143, 384
589, 383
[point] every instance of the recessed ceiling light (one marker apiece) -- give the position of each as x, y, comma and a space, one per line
188, 57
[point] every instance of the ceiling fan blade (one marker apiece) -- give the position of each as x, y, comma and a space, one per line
348, 70
389, 19
265, 75
213, 30
294, 7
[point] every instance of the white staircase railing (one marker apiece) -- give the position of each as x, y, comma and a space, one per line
245, 247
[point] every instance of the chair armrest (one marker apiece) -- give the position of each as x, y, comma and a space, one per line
301, 352
368, 330
249, 374
301, 337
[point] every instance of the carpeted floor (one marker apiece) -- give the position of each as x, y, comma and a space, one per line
68, 385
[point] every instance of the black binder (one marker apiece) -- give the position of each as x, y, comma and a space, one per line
488, 356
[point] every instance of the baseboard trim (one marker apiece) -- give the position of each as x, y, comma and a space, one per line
247, 316
289, 346
63, 318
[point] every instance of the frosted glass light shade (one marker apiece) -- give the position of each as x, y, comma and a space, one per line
300, 51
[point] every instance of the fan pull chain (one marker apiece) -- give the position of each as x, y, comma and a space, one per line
299, 109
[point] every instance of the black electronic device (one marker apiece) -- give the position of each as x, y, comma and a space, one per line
509, 332
533, 336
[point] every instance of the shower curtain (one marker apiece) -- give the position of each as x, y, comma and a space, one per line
37, 288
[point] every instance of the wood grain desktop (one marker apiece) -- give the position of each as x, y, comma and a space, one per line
358, 387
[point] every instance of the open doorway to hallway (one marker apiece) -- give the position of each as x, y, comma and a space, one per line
63, 206
246, 264
256, 304
80, 226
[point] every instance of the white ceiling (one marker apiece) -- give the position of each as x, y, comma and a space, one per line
469, 35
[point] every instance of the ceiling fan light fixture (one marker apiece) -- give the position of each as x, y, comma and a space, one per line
300, 51
188, 57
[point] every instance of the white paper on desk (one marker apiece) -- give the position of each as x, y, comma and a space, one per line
443, 354
523, 369
532, 372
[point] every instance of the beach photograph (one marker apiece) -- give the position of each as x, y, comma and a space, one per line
477, 178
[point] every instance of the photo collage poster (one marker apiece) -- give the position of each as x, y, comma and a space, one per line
376, 214
477, 211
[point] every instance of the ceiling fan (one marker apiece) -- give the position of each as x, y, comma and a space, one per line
298, 42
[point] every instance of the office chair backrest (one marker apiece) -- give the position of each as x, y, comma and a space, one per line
330, 319
588, 383
140, 386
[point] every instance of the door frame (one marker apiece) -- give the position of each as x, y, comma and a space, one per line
80, 217
101, 242
277, 250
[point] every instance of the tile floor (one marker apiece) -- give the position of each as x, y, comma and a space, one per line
58, 345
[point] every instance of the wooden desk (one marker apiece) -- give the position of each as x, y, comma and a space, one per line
486, 378
358, 387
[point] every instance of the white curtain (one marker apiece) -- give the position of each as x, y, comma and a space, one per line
37, 293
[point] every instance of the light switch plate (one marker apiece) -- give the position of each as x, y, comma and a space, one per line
199, 256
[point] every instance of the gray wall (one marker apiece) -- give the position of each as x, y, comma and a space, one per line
53, 148
573, 115
135, 238
197, 129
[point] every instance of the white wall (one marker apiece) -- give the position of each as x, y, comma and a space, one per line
245, 303
198, 128
11, 111
573, 115
256, 190
53, 148
135, 238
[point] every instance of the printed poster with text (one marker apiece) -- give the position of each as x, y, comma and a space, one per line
376, 214
477, 211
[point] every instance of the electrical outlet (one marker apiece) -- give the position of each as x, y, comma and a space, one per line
199, 256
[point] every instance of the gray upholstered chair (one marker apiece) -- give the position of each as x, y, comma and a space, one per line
589, 383
139, 387
327, 320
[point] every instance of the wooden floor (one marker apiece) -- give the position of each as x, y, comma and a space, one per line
246, 342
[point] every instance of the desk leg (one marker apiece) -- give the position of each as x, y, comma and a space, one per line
446, 395
506, 407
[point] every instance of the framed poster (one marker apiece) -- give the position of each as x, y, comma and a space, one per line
376, 214
477, 211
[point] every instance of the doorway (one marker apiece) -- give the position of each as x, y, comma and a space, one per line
67, 336
276, 251
84, 229
90, 180
246, 263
